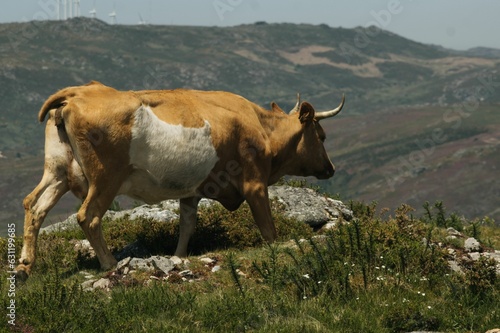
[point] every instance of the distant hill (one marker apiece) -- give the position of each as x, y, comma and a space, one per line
399, 93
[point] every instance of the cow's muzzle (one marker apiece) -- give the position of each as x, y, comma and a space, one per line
327, 172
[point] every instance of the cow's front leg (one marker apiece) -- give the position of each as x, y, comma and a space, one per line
258, 199
187, 224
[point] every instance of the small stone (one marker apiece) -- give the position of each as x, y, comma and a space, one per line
472, 245
141, 264
453, 232
84, 248
87, 285
215, 269
329, 226
163, 264
207, 260
455, 267
102, 283
495, 330
186, 273
475, 255
176, 260
123, 263
87, 275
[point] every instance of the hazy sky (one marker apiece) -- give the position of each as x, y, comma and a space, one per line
458, 24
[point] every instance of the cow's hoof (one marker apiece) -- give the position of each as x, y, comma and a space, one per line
21, 275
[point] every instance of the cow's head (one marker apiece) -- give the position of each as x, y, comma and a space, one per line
311, 156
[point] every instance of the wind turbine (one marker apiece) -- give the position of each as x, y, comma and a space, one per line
77, 8
65, 3
113, 16
141, 20
93, 12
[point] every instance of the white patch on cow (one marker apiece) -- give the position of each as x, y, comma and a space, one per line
170, 161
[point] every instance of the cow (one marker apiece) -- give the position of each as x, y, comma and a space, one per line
154, 145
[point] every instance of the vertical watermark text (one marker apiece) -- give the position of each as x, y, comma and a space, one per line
11, 274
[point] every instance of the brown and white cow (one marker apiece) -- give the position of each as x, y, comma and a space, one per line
168, 144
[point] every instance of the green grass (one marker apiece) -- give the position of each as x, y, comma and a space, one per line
371, 275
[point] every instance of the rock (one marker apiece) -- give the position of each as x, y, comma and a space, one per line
83, 248
453, 232
307, 206
187, 274
68, 224
206, 260
102, 283
495, 330
240, 273
215, 269
153, 213
88, 285
455, 267
150, 264
304, 204
141, 264
86, 275
162, 263
491, 255
176, 260
475, 255
123, 263
472, 245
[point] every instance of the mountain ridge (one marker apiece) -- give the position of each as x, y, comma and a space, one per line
409, 85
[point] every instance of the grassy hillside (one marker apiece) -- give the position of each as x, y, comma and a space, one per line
374, 274
414, 154
385, 77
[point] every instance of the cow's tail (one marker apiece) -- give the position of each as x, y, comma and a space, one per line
55, 101
61, 98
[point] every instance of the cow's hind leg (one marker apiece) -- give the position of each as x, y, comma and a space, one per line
37, 204
53, 185
89, 217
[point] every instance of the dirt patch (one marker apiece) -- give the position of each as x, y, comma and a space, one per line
306, 56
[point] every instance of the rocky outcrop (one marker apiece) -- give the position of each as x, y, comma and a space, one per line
472, 251
159, 268
303, 204
308, 206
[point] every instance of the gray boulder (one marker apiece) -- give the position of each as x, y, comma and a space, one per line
308, 206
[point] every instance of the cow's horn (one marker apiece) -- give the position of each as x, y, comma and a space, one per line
296, 107
331, 113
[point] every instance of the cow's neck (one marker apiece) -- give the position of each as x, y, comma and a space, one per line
284, 134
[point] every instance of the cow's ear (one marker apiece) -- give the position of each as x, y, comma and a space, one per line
306, 113
276, 108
